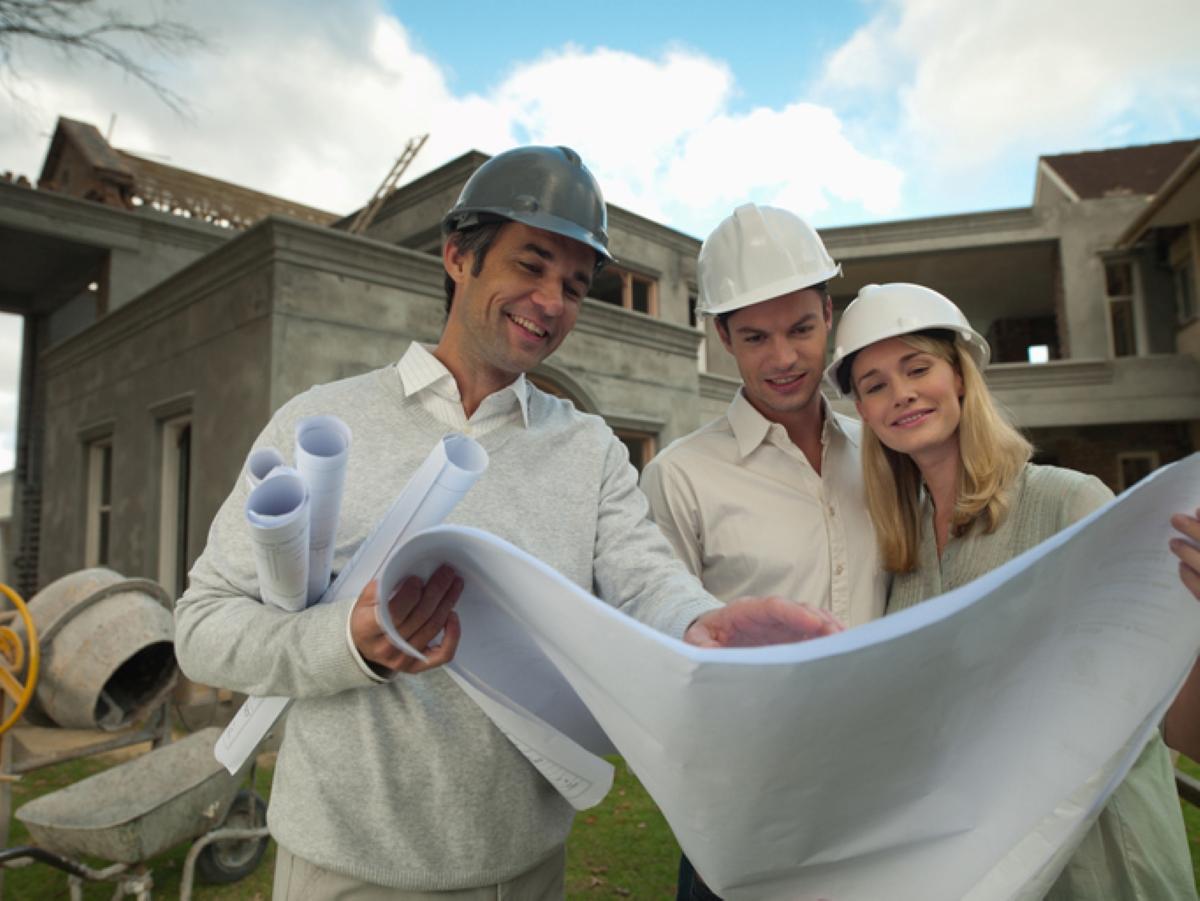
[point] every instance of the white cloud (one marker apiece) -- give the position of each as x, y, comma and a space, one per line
314, 101
663, 140
977, 82
797, 157
314, 104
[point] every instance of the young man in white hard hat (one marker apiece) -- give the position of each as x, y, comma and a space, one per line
768, 499
391, 783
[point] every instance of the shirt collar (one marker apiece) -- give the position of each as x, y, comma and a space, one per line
750, 428
421, 371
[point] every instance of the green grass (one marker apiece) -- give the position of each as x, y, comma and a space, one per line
619, 849
622, 848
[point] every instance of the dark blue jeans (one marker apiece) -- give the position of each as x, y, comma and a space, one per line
691, 887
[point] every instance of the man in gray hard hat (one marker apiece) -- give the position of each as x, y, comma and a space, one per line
768, 499
391, 782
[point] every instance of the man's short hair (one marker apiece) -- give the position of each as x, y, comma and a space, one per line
821, 288
477, 240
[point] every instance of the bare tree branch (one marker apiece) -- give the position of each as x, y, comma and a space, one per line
84, 27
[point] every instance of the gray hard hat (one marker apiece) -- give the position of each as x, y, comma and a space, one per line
543, 187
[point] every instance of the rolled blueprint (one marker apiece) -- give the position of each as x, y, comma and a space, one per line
260, 464
277, 511
452, 467
322, 452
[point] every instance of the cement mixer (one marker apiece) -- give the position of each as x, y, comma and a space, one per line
107, 650
92, 654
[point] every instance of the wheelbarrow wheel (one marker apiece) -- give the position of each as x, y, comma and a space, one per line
233, 859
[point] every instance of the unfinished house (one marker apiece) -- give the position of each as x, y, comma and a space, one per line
168, 314
163, 331
1089, 343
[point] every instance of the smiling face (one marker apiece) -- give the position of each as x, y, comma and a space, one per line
516, 311
779, 346
911, 398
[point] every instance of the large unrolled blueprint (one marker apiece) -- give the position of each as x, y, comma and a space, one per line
448, 472
958, 749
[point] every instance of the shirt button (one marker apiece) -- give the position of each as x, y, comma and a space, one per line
838, 570
832, 510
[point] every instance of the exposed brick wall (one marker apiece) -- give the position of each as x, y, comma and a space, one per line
1094, 449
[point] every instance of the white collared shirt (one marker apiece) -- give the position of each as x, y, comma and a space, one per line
426, 377
749, 515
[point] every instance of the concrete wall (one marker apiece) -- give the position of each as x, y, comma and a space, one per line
637, 372
161, 251
344, 305
1085, 229
277, 309
197, 343
145, 246
716, 391
1082, 392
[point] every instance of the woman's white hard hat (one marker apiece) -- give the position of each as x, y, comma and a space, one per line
756, 254
887, 311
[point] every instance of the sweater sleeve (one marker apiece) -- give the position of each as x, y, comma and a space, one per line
634, 567
226, 636
1083, 495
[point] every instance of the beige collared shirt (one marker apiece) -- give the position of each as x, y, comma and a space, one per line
749, 515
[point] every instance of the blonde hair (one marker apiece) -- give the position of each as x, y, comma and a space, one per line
992, 453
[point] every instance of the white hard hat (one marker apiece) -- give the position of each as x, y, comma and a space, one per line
759, 253
886, 311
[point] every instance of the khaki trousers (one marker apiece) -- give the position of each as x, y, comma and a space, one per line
298, 880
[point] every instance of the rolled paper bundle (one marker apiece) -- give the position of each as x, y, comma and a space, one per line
260, 464
278, 513
322, 454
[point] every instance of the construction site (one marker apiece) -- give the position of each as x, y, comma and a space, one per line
167, 315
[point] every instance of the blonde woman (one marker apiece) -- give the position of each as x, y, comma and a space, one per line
953, 495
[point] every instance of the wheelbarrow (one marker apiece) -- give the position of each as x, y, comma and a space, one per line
138, 809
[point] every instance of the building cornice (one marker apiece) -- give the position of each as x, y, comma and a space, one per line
274, 240
1156, 388
314, 247
996, 226
1055, 373
718, 387
626, 326
45, 213
633, 224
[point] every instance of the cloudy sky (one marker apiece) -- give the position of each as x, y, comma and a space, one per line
845, 113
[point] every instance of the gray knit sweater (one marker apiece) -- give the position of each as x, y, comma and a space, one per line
408, 784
